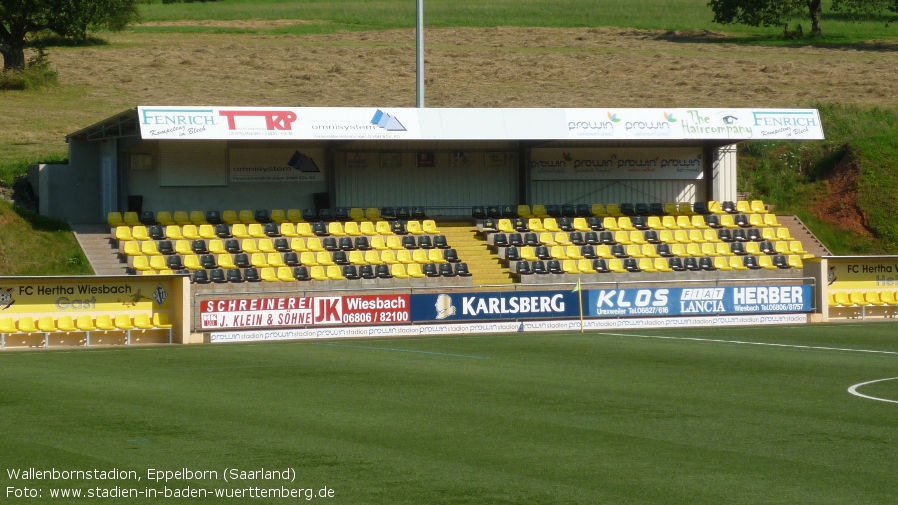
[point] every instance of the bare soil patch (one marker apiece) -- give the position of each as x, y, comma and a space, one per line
838, 205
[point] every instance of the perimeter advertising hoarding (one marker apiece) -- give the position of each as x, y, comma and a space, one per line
496, 305
862, 273
73, 295
311, 123
571, 164
296, 311
697, 301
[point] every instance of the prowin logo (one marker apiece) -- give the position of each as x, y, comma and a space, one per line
390, 123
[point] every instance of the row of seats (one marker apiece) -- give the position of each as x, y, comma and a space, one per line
649, 251
199, 217
594, 223
618, 210
273, 230
654, 265
84, 323
290, 259
862, 298
249, 245
305, 273
749, 236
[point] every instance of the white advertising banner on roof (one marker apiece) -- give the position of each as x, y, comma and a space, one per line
579, 164
371, 123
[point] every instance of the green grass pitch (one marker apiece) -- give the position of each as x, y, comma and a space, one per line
688, 416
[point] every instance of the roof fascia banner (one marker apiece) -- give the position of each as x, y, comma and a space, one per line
371, 123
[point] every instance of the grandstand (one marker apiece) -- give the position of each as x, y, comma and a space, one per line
298, 202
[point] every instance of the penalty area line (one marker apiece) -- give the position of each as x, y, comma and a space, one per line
853, 390
744, 342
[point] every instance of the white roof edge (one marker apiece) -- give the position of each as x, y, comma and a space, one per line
398, 123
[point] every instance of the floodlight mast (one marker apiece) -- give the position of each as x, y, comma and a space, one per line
419, 36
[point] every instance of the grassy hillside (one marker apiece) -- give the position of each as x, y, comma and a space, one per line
35, 245
843, 188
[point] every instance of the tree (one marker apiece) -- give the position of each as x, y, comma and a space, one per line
68, 18
778, 12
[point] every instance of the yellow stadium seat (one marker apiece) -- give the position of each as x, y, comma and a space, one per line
142, 321
843, 299
66, 324
708, 249
528, 253
147, 248
298, 245
682, 236
294, 216
771, 221
131, 219
307, 258
669, 223
550, 224
266, 245
8, 325
685, 208
661, 265
173, 232
634, 251
598, 210
857, 298
378, 243
335, 228
278, 216
679, 250
46, 324
625, 223
225, 261
558, 252
104, 323
616, 265
190, 232
191, 262
257, 260
85, 323
696, 236
285, 274
783, 234
372, 214
622, 237
647, 265
694, 250
536, 225
585, 266
546, 238
324, 258
766, 262
539, 211
684, 222
304, 230
756, 220
420, 256
122, 233
157, 263
247, 216
430, 227
743, 207
722, 263
288, 229
230, 217
164, 218
580, 224
649, 251
255, 230
267, 274
334, 273
795, 261
357, 257
275, 260
356, 214
248, 245
727, 221
671, 209
139, 232
317, 273
562, 238
758, 207
524, 211
197, 217
722, 249
132, 248
754, 249
181, 217
570, 267
114, 219
698, 221
207, 232
388, 256
140, 263
714, 207
573, 252
654, 222
667, 237
613, 210
351, 228
888, 297
397, 270
367, 228
737, 264
414, 270
872, 298
371, 257
383, 228
435, 256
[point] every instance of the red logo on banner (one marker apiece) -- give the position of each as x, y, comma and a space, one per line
274, 120
328, 310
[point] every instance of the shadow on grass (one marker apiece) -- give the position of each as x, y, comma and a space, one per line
41, 223
53, 40
825, 42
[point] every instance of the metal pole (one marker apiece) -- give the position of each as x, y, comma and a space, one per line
420, 51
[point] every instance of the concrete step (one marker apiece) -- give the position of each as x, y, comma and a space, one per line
800, 232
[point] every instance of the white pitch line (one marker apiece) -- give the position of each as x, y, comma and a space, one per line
853, 390
794, 346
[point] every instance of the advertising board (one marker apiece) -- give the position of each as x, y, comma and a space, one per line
697, 301
294, 312
497, 305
